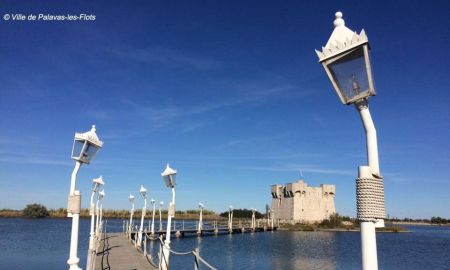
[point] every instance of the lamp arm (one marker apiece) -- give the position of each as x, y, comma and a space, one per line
371, 137
73, 178
173, 195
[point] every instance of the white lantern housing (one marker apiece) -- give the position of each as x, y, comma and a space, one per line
101, 194
161, 203
201, 205
345, 59
131, 198
85, 146
143, 192
152, 201
97, 183
168, 176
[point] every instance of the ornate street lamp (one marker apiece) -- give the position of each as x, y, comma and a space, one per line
96, 184
152, 229
168, 176
200, 220
345, 59
143, 192
130, 227
85, 146
161, 203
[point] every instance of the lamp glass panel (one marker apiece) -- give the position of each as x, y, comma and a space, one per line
89, 152
351, 76
77, 149
169, 180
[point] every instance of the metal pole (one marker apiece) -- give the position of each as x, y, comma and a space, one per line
368, 234
152, 230
200, 221
91, 234
97, 217
371, 136
131, 216
74, 211
196, 264
142, 222
166, 248
160, 219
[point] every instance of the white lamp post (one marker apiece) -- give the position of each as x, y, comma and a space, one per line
101, 194
200, 220
96, 184
271, 218
253, 218
161, 203
85, 146
143, 192
98, 212
230, 219
130, 227
345, 59
152, 229
168, 176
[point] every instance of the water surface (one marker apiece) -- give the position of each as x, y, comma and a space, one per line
44, 244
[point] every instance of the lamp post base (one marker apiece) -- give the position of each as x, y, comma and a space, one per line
74, 264
368, 246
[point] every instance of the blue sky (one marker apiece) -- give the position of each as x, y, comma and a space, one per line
230, 93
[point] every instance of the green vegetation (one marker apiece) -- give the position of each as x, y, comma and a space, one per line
338, 221
439, 220
35, 211
242, 213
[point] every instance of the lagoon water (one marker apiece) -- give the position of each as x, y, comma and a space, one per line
44, 244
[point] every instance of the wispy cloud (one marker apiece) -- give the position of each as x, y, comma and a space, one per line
293, 168
165, 56
34, 160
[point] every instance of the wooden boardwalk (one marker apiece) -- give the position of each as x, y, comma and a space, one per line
117, 253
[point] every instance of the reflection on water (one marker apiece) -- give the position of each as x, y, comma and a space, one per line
44, 244
306, 251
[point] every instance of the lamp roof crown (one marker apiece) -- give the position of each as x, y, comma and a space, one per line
168, 171
89, 136
342, 39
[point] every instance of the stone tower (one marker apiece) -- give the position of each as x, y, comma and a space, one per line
300, 203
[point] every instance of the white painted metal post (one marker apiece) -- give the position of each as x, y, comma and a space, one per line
371, 137
97, 217
152, 230
160, 217
166, 248
200, 221
101, 219
368, 233
131, 217
91, 233
141, 228
74, 211
231, 220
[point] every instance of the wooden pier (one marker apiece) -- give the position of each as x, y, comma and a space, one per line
118, 251
211, 230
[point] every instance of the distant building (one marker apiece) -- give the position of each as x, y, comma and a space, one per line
298, 202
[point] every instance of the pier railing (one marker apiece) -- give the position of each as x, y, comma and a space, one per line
142, 248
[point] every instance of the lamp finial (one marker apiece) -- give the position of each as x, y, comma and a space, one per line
338, 21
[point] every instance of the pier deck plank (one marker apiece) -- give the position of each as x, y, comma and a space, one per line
116, 253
